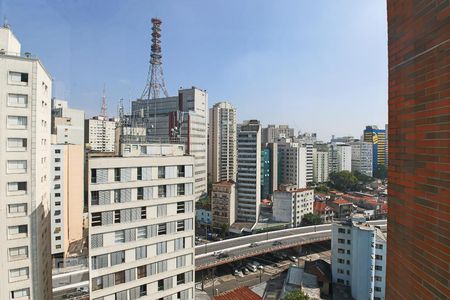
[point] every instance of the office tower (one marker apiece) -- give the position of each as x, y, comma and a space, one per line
339, 157
222, 146
100, 134
67, 123
377, 137
223, 204
271, 133
290, 204
320, 163
418, 219
269, 169
25, 258
249, 171
141, 223
293, 163
358, 258
362, 157
181, 117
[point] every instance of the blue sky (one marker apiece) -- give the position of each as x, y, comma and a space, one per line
319, 66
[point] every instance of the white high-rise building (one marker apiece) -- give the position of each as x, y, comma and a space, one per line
340, 157
25, 88
320, 165
67, 123
358, 258
181, 117
249, 171
222, 154
141, 231
293, 163
290, 204
100, 134
362, 157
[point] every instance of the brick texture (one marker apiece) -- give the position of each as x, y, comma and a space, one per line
418, 260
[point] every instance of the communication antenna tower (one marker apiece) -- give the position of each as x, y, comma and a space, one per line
103, 112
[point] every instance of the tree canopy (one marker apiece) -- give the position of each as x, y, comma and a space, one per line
343, 181
311, 219
297, 295
380, 172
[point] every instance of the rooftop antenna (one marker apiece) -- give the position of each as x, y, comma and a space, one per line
5, 23
103, 112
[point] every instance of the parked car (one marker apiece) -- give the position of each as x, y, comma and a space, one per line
292, 258
216, 253
253, 245
251, 267
222, 255
245, 271
238, 273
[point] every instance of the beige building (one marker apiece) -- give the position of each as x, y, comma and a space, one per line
295, 163
100, 134
320, 164
67, 197
25, 88
67, 123
141, 229
222, 146
223, 204
290, 204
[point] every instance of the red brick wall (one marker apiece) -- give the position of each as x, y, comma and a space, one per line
419, 150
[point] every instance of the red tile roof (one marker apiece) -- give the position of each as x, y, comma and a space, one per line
319, 206
341, 201
241, 293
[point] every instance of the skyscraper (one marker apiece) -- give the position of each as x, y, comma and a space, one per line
419, 156
25, 88
249, 171
269, 169
222, 155
362, 157
377, 137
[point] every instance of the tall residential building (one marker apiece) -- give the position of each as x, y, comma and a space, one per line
339, 157
419, 156
320, 163
141, 223
67, 123
362, 157
269, 169
308, 138
358, 258
181, 117
100, 134
25, 87
67, 197
290, 204
293, 163
271, 133
249, 171
222, 155
377, 137
223, 204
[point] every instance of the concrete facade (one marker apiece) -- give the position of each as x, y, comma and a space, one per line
272, 133
141, 231
358, 258
293, 163
290, 204
339, 157
362, 158
320, 165
67, 123
100, 134
223, 203
25, 88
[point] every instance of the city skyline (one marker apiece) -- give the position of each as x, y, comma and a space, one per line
264, 45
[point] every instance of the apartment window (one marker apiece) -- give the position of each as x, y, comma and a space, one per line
378, 257
349, 242
341, 251
341, 241
141, 252
22, 293
341, 230
180, 226
142, 233
17, 186
20, 208
17, 122
18, 229
119, 236
377, 289
340, 280
348, 251
180, 171
57, 160
57, 238
379, 268
117, 216
140, 193
96, 219
57, 220
57, 203
94, 198
161, 172
117, 174
17, 273
97, 283
162, 189
17, 166
139, 173
117, 258
57, 168
161, 285
57, 195
180, 189
180, 279
57, 212
180, 207
93, 175
379, 246
17, 144
162, 229
378, 278
341, 261
141, 272
340, 271
117, 196
119, 277
99, 261
143, 290
161, 248
18, 253
18, 78
143, 213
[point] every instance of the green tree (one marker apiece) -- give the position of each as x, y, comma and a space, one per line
322, 189
224, 229
380, 172
362, 177
343, 181
296, 295
311, 219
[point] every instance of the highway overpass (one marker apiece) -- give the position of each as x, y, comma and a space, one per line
239, 248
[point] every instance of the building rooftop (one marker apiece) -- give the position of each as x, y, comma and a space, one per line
241, 293
341, 201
